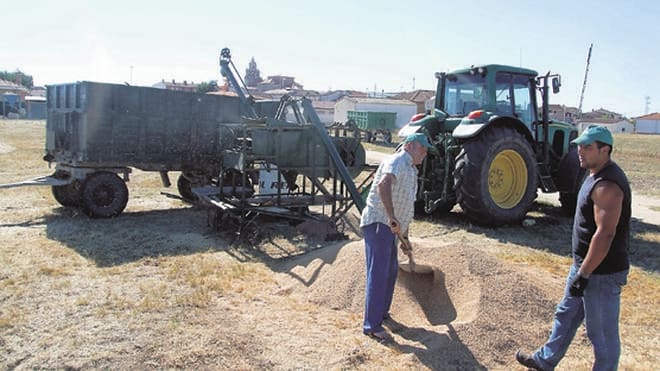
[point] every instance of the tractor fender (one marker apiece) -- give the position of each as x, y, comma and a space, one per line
471, 127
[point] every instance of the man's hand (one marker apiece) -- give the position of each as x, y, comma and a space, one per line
405, 245
394, 225
578, 285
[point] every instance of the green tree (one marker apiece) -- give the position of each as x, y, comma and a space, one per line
206, 87
17, 76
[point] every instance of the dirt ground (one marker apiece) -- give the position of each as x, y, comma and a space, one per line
158, 288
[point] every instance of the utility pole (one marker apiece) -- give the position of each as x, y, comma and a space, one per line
584, 84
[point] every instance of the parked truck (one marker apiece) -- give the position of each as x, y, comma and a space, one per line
96, 133
495, 145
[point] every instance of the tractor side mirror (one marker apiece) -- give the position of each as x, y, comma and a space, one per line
556, 83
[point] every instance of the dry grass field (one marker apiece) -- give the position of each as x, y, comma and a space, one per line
159, 288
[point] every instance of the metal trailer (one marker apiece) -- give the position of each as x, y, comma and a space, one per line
96, 133
373, 124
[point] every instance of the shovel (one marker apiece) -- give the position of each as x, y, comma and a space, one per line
411, 266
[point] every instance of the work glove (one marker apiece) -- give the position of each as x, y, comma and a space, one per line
578, 285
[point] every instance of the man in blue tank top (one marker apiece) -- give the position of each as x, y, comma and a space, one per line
601, 235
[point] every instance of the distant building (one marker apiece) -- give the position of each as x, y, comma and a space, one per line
419, 97
12, 87
614, 125
279, 82
648, 124
186, 86
403, 108
336, 95
325, 110
600, 114
38, 91
561, 112
35, 107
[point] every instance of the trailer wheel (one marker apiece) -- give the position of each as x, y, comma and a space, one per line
103, 195
67, 195
495, 177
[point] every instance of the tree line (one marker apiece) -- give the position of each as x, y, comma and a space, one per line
17, 77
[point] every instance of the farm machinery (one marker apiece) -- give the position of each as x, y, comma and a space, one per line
240, 156
495, 145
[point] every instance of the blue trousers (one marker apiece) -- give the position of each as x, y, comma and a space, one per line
382, 267
599, 308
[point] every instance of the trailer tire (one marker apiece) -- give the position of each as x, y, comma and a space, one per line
67, 195
495, 177
103, 195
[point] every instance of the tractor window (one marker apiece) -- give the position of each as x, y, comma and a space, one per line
521, 93
503, 94
464, 94
512, 93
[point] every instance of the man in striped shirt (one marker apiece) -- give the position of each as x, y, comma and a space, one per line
389, 211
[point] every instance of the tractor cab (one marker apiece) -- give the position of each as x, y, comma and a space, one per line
496, 89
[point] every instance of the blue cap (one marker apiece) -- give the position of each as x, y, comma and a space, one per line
594, 133
419, 137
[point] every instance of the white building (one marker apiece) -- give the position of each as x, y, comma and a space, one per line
325, 110
615, 126
648, 124
404, 109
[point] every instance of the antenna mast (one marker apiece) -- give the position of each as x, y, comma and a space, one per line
584, 84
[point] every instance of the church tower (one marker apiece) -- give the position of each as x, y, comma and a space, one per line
252, 74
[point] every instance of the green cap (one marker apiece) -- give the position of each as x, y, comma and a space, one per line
594, 133
419, 137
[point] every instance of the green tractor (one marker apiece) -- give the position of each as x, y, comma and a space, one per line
495, 146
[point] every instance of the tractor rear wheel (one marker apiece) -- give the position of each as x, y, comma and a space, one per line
495, 177
103, 195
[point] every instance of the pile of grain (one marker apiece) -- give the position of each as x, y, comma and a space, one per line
469, 302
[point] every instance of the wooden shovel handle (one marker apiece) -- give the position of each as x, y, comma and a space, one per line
408, 249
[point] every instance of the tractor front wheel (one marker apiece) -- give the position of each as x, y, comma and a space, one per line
495, 177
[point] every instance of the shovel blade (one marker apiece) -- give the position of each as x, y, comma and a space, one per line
415, 268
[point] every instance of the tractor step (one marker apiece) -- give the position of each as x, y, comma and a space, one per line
547, 183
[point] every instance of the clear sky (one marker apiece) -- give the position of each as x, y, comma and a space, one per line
354, 44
